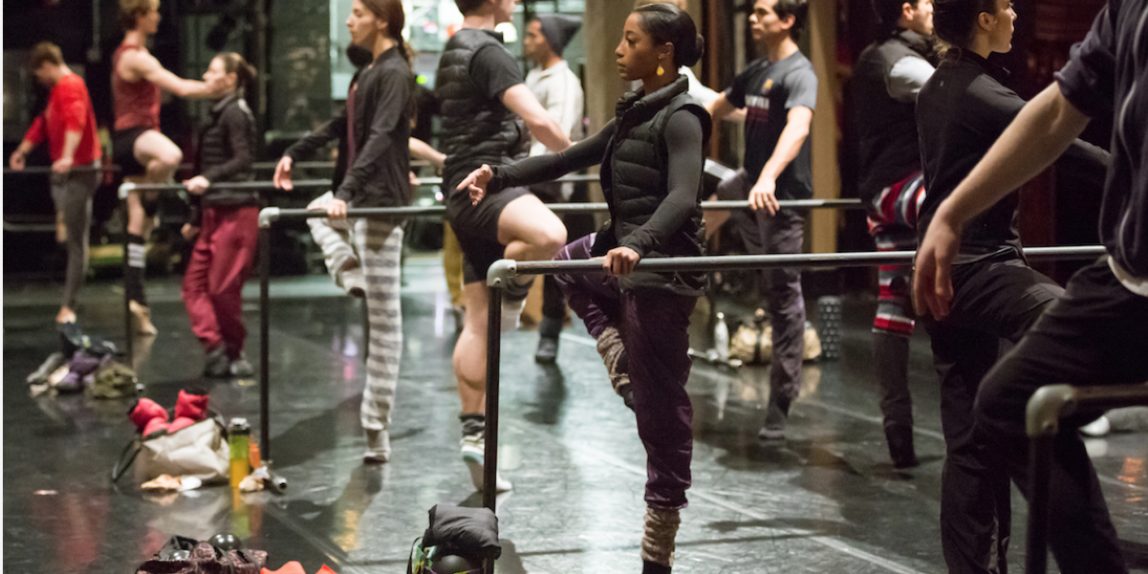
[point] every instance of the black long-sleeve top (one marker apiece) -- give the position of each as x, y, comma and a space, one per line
684, 140
961, 112
382, 125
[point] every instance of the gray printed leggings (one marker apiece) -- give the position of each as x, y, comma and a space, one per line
378, 246
72, 195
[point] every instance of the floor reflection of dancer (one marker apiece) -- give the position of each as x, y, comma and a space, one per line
651, 157
143, 153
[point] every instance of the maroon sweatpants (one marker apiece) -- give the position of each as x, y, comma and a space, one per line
213, 282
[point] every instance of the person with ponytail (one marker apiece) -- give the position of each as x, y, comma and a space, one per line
651, 156
996, 296
372, 171
223, 221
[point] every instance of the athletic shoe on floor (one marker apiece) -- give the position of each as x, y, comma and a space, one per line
473, 454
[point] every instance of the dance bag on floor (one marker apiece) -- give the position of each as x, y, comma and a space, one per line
199, 450
753, 342
457, 540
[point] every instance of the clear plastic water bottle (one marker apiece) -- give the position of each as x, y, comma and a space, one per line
721, 338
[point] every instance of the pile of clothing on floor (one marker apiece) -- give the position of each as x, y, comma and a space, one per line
84, 363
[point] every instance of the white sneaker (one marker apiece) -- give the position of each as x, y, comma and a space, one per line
378, 447
474, 454
512, 314
1097, 428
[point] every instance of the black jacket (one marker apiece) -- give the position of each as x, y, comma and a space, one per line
225, 154
379, 176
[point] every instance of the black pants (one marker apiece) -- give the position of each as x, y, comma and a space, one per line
1096, 334
995, 302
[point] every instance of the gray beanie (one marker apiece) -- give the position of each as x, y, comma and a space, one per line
558, 29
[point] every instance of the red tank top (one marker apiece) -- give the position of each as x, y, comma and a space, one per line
136, 103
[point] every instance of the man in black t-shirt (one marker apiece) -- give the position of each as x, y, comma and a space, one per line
779, 93
484, 126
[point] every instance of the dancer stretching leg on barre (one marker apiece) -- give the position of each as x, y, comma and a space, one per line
651, 156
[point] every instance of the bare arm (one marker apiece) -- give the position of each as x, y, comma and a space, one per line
422, 150
146, 66
1043, 130
797, 126
721, 109
519, 100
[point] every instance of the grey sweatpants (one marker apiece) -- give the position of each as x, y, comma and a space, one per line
72, 195
378, 246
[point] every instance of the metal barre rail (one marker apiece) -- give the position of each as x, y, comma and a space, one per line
1043, 414
113, 168
271, 215
503, 270
128, 187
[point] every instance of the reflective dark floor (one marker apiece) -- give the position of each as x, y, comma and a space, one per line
826, 500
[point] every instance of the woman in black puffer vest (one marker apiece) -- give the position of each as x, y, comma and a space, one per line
651, 158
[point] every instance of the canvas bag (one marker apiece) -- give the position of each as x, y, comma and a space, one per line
200, 450
753, 343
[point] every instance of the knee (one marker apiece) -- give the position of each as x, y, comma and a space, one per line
169, 159
552, 239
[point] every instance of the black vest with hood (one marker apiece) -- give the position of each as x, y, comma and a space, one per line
634, 179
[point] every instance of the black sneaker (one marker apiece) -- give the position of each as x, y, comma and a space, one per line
216, 364
547, 352
774, 427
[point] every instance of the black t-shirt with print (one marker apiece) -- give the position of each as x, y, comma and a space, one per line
768, 90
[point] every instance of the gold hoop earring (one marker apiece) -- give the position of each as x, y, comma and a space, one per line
661, 70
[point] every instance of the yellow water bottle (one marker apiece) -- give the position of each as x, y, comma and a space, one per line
238, 439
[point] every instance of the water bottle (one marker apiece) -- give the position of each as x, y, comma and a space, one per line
238, 440
721, 339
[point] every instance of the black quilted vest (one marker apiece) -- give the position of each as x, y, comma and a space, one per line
634, 180
475, 129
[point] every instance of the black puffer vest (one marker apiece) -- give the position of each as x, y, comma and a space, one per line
475, 129
634, 180
888, 150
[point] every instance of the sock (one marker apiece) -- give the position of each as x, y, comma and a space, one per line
661, 529
473, 424
134, 273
